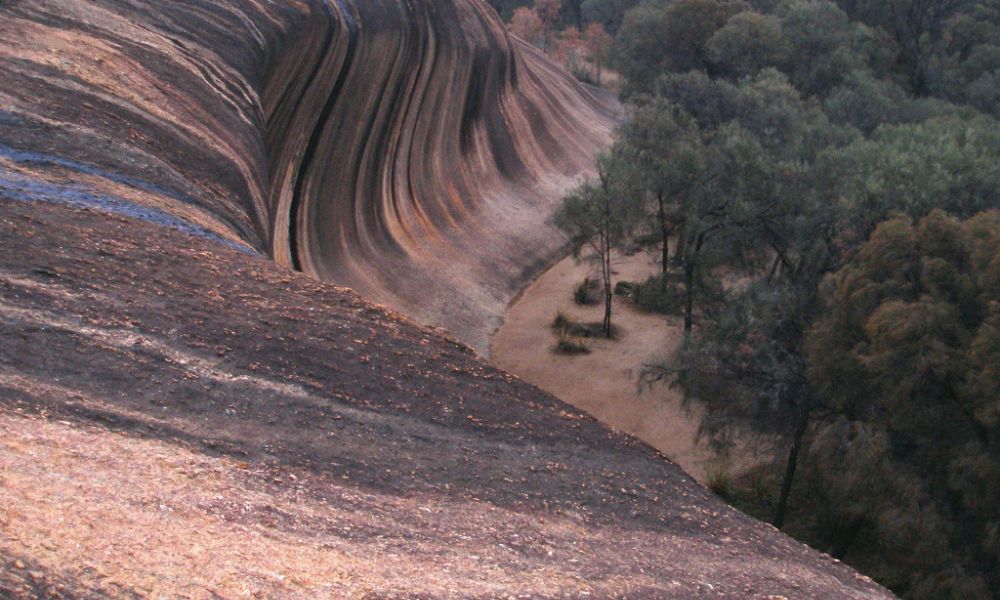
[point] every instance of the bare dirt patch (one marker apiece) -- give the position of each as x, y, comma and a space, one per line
605, 381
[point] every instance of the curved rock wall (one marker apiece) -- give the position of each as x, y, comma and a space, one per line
408, 149
255, 431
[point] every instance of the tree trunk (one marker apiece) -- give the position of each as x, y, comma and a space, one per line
774, 269
690, 264
793, 459
688, 297
919, 78
606, 258
681, 242
606, 273
661, 214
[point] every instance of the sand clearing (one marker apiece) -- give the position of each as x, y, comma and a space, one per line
605, 383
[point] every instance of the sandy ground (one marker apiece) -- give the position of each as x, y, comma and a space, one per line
604, 383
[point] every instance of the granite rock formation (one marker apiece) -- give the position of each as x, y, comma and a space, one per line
408, 149
182, 415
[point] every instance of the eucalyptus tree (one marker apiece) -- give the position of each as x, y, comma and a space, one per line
599, 216
666, 166
908, 350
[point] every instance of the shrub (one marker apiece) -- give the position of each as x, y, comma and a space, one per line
660, 294
568, 344
562, 322
720, 482
626, 288
582, 71
583, 294
591, 330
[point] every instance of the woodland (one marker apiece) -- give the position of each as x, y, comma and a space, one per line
841, 160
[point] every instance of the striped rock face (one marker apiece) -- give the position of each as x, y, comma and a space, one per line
410, 150
182, 416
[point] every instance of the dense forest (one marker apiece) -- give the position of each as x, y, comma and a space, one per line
841, 161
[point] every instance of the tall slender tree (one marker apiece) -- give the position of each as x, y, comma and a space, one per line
548, 12
598, 42
666, 167
599, 216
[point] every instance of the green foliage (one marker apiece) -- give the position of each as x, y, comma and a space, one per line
561, 322
744, 370
720, 481
768, 106
899, 375
640, 47
583, 292
569, 344
723, 180
984, 93
662, 150
821, 43
599, 216
568, 337
596, 212
789, 127
907, 352
866, 102
668, 38
660, 294
709, 102
947, 162
690, 24
746, 44
581, 329
608, 13
769, 140
944, 48
625, 288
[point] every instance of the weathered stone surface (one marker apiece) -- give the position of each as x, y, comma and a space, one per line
179, 419
404, 149
182, 416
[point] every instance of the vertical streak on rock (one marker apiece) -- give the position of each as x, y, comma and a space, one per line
407, 148
440, 147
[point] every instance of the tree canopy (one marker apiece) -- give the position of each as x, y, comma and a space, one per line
840, 159
907, 354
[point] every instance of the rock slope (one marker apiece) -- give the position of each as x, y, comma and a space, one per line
179, 419
408, 149
181, 415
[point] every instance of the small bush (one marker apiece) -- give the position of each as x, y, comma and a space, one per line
720, 482
761, 485
582, 72
591, 330
562, 322
626, 288
754, 491
584, 294
633, 248
568, 344
660, 294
